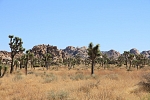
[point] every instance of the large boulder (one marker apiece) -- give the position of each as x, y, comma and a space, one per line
73, 51
38, 50
111, 54
5, 55
134, 51
146, 53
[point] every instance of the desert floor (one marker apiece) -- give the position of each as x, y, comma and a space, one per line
75, 84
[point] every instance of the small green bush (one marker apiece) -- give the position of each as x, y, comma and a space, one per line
77, 77
17, 77
60, 95
49, 78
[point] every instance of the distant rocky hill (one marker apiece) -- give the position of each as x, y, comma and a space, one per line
70, 51
73, 51
111, 54
146, 53
134, 51
38, 50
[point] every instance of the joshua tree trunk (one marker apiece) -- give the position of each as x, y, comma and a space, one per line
12, 65
46, 65
1, 75
92, 68
26, 67
130, 64
126, 63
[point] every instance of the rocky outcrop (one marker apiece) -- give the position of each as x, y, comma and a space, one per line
5, 55
134, 51
73, 51
38, 50
146, 53
111, 54
69, 51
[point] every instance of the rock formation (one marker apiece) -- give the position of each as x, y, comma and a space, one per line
146, 53
69, 51
73, 51
5, 55
111, 54
38, 50
134, 51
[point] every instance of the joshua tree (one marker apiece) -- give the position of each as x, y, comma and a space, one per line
131, 57
87, 62
126, 55
16, 63
31, 57
120, 60
27, 57
22, 61
16, 47
46, 58
93, 52
2, 68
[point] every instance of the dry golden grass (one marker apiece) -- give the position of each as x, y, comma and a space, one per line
64, 84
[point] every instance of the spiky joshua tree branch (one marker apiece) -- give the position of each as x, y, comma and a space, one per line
16, 47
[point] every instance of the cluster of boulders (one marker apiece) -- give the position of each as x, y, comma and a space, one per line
146, 53
38, 50
5, 55
74, 51
111, 54
134, 51
69, 51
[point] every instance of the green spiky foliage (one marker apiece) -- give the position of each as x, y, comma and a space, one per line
16, 47
68, 62
77, 60
27, 57
126, 55
59, 62
0, 60
140, 61
22, 61
16, 63
131, 57
2, 73
120, 61
47, 58
31, 57
93, 52
87, 62
36, 62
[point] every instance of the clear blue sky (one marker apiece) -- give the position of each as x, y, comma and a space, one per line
114, 24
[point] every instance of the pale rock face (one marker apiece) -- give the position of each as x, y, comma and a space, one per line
53, 50
146, 53
73, 51
111, 53
69, 51
134, 51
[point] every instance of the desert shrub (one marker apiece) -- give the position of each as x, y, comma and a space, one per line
17, 77
30, 72
60, 95
38, 74
145, 83
77, 77
49, 78
112, 76
17, 98
147, 97
64, 77
1, 82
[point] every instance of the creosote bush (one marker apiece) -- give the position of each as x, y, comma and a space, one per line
57, 95
49, 78
17, 77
